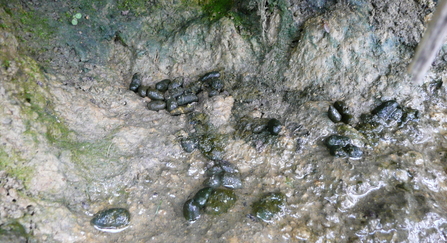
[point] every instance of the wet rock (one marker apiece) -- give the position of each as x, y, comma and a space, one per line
268, 206
213, 93
220, 201
231, 180
155, 94
13, 232
191, 210
338, 151
216, 153
340, 146
216, 84
111, 220
136, 82
213, 181
353, 151
156, 105
163, 85
258, 128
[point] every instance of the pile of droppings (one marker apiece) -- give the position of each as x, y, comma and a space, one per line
173, 95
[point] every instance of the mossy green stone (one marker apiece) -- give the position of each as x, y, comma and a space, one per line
191, 210
111, 220
220, 201
269, 205
202, 196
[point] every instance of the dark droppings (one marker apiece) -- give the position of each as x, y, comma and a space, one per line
386, 109
182, 110
339, 111
171, 104
162, 86
210, 75
176, 83
274, 126
192, 209
333, 114
142, 90
111, 220
185, 99
136, 82
156, 105
338, 151
173, 93
177, 98
154, 94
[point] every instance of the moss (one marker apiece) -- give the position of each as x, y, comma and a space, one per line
30, 22
13, 232
94, 159
137, 7
217, 9
13, 164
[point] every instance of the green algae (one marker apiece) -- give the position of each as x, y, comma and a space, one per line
94, 159
14, 165
13, 232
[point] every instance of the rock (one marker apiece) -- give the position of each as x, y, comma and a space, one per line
337, 140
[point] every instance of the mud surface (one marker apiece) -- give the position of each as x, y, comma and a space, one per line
76, 141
